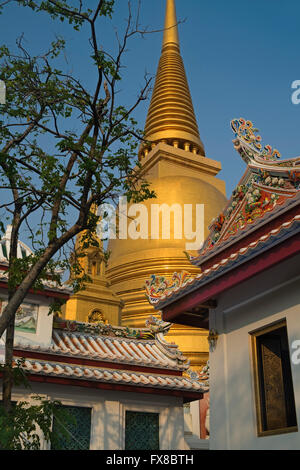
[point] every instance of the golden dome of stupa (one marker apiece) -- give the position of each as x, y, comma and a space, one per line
170, 190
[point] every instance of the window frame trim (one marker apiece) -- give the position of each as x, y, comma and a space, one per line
72, 403
144, 412
254, 334
146, 407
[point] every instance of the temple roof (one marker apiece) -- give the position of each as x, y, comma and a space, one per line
115, 355
102, 375
22, 250
163, 292
105, 342
269, 187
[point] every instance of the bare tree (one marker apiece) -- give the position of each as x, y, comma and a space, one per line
61, 178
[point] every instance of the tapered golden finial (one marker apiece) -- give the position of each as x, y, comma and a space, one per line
171, 29
171, 118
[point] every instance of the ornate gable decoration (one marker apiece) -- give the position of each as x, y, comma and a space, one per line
267, 183
202, 377
158, 286
246, 137
102, 329
154, 327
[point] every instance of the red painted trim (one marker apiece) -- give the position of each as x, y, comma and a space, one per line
252, 237
241, 273
48, 293
44, 293
186, 395
94, 363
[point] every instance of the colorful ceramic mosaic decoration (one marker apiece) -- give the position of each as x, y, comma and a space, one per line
157, 287
103, 329
267, 183
246, 132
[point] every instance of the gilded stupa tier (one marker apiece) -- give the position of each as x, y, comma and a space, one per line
171, 118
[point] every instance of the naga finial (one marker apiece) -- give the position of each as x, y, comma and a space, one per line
248, 142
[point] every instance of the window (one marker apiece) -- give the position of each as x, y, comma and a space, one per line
74, 432
275, 403
141, 431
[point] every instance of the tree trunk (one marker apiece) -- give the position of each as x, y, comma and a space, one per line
10, 330
8, 373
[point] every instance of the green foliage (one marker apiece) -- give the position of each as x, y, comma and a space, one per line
65, 10
17, 373
64, 148
23, 426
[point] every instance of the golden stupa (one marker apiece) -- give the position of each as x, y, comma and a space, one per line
173, 161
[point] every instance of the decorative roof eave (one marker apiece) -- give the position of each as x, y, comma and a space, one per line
288, 206
265, 243
105, 342
160, 287
112, 357
80, 359
266, 184
154, 326
243, 272
111, 379
248, 143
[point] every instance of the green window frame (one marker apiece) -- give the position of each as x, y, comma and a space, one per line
74, 431
141, 430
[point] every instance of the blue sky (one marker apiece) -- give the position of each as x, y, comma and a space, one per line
241, 58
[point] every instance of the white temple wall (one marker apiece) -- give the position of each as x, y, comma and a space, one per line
269, 297
108, 413
43, 334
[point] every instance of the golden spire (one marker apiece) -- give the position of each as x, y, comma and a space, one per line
171, 37
171, 118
